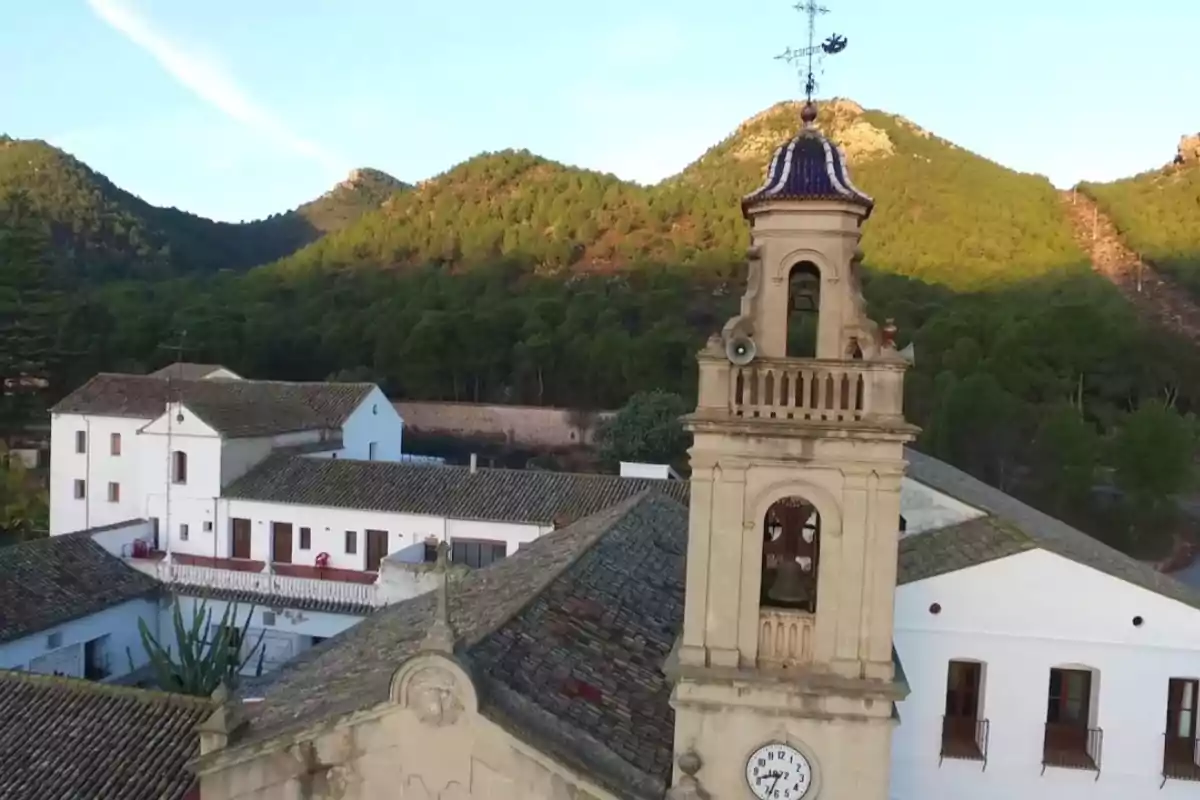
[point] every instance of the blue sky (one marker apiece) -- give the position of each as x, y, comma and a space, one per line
235, 109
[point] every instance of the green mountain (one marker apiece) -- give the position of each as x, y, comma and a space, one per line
101, 232
1158, 213
944, 214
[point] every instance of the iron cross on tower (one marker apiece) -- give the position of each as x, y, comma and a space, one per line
807, 59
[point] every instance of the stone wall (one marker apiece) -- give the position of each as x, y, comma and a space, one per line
518, 426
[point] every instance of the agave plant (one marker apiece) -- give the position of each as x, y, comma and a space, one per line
206, 656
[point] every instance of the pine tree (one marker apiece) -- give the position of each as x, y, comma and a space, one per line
30, 310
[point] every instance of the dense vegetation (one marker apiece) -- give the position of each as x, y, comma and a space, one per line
101, 232
1158, 214
515, 279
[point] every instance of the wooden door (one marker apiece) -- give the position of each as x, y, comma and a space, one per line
1181, 722
281, 542
377, 548
241, 538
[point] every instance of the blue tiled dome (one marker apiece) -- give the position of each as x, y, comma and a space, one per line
809, 167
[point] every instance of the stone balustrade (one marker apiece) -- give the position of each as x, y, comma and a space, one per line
785, 637
802, 390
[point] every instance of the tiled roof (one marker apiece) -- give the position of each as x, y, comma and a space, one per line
46, 582
499, 495
231, 407
187, 370
644, 566
70, 739
809, 167
566, 639
246, 597
1010, 519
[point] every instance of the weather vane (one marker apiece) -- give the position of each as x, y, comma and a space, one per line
809, 58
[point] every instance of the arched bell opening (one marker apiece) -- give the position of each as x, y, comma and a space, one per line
804, 307
791, 553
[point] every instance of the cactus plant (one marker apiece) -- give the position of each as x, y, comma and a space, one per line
206, 656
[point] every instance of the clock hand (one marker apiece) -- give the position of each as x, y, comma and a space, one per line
777, 775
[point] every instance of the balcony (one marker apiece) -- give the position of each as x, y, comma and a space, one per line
1072, 747
785, 637
818, 390
965, 739
396, 581
1181, 758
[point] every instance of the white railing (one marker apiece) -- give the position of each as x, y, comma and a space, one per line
265, 583
785, 637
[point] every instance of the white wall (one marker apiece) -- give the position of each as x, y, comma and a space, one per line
98, 467
287, 637
375, 420
238, 456
329, 526
926, 509
119, 623
1021, 616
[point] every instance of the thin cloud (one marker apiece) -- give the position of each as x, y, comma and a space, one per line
209, 81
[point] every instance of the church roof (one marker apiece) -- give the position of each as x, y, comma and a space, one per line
234, 408
565, 640
71, 738
496, 495
809, 167
46, 582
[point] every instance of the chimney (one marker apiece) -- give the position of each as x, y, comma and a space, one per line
474, 463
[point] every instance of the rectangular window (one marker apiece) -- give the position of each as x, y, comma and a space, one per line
351, 542
372, 448
179, 467
114, 444
306, 538
207, 525
431, 548
80, 489
80, 441
964, 735
183, 532
1070, 741
114, 492
475, 553
1179, 743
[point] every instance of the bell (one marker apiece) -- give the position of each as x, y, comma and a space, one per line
790, 586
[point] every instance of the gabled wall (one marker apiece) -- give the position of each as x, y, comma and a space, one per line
1021, 616
924, 508
375, 420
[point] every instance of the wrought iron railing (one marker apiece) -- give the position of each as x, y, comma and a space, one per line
965, 739
1181, 758
1072, 747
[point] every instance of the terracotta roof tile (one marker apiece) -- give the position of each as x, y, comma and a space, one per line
500, 495
234, 408
68, 738
46, 582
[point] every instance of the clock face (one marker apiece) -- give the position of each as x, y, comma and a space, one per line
778, 772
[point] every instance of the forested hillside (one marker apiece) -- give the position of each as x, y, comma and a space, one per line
1158, 214
514, 279
944, 215
100, 232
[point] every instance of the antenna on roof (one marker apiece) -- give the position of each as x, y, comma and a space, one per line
807, 60
440, 635
178, 349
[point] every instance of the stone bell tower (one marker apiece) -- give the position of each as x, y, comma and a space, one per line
786, 655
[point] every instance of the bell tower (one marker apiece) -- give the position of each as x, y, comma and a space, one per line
785, 676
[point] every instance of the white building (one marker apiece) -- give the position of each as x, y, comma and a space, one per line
1041, 663
70, 608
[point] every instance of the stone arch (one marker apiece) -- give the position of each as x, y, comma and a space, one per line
791, 556
805, 294
827, 506
435, 687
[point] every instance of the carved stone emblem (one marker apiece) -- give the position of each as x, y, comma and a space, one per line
433, 696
